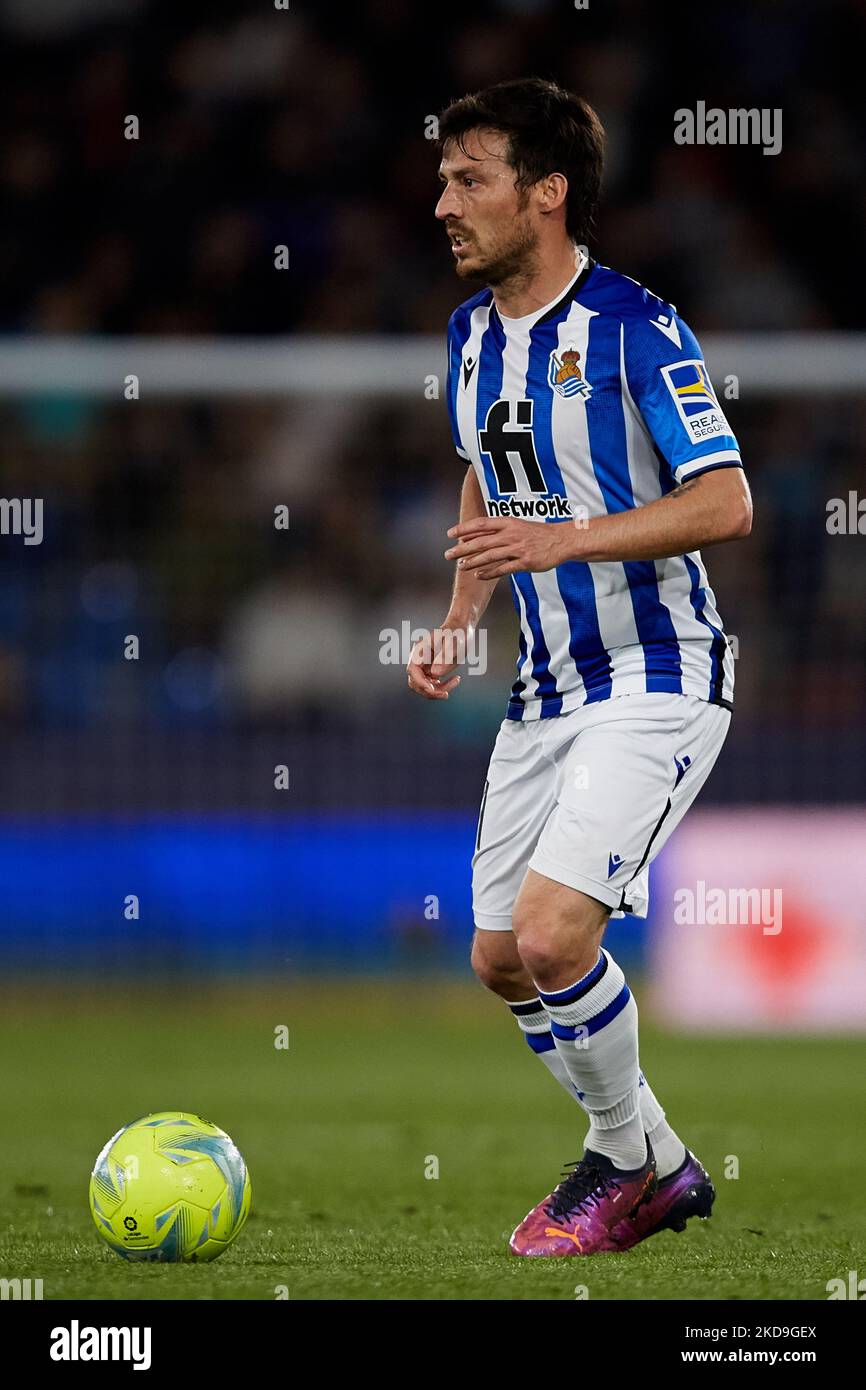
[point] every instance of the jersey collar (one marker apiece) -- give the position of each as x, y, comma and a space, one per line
585, 265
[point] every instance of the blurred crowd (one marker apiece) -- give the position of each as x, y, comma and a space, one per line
260, 127
305, 127
159, 522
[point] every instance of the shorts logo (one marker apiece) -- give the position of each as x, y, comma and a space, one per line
682, 767
565, 377
693, 395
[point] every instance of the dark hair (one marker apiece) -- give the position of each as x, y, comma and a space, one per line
549, 130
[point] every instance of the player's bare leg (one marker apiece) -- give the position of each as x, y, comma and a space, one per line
496, 961
558, 931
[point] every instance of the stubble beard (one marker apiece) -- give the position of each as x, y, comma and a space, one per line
509, 264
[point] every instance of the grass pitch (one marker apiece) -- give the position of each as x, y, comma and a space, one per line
380, 1084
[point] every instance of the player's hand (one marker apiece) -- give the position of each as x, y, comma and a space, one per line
491, 546
432, 661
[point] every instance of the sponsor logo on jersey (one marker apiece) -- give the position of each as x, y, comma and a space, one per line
555, 506
692, 393
565, 377
507, 441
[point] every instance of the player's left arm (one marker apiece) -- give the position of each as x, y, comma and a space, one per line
709, 501
713, 507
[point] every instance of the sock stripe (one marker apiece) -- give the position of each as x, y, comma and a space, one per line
532, 1006
540, 1042
578, 990
567, 1033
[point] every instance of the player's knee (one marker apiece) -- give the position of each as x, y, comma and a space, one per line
536, 933
538, 949
496, 971
546, 943
551, 948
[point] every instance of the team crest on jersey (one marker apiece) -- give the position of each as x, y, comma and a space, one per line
695, 400
565, 377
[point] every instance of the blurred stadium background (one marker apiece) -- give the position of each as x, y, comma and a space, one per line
309, 388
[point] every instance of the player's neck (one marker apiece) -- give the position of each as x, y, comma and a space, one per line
528, 291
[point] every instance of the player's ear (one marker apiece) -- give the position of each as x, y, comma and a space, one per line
553, 191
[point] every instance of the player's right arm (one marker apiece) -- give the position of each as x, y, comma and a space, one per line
432, 662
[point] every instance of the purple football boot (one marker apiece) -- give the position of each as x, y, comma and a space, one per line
579, 1215
686, 1192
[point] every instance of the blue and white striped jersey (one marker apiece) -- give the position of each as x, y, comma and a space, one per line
597, 403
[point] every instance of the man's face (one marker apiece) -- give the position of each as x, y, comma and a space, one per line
488, 220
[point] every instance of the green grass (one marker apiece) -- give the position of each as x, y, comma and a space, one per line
337, 1130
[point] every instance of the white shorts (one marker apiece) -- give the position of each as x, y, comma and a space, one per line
588, 798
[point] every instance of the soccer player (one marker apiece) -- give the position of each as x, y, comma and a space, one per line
599, 463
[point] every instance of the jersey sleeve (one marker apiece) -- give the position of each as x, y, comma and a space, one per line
455, 355
670, 386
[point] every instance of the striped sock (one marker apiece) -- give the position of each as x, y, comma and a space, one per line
534, 1022
594, 1028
